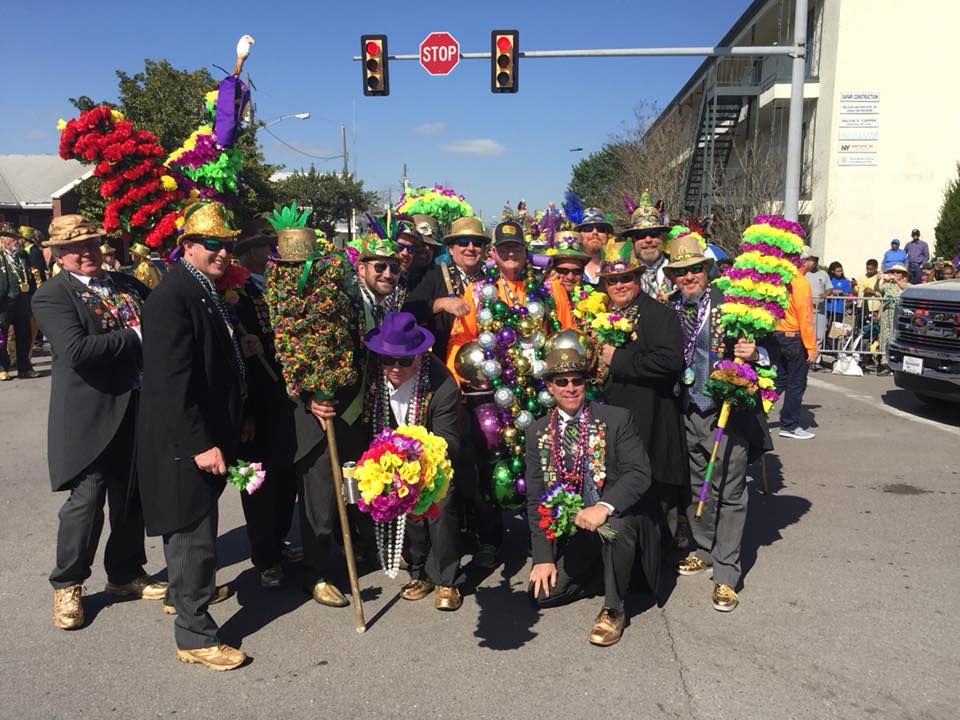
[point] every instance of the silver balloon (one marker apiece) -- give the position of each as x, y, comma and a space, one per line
523, 420
535, 308
485, 317
491, 369
503, 397
538, 339
487, 340
488, 292
468, 364
539, 368
572, 340
546, 399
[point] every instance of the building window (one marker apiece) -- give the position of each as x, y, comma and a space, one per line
814, 23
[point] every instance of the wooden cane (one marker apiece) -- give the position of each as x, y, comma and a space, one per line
446, 278
345, 526
263, 361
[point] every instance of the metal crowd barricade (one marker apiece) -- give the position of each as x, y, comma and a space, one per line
848, 326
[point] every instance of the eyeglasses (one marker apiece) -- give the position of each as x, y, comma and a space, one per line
691, 270
591, 228
568, 271
403, 362
563, 382
79, 247
619, 279
216, 244
465, 241
407, 247
380, 267
648, 234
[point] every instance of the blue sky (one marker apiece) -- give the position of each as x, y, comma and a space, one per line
453, 130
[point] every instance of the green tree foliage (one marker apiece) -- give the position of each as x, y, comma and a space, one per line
331, 196
594, 177
947, 230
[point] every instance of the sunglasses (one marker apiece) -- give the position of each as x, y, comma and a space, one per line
568, 271
379, 267
592, 228
403, 362
216, 244
648, 234
575, 381
464, 242
692, 270
620, 279
407, 247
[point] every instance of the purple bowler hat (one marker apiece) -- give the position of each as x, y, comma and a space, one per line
399, 336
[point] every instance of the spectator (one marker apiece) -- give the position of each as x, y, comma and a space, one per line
869, 321
840, 287
949, 272
798, 348
724, 264
893, 256
819, 283
893, 284
927, 273
917, 255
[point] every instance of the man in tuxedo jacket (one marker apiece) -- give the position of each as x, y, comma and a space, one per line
595, 451
92, 319
189, 428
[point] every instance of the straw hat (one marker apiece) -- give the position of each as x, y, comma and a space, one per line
685, 250
466, 227
898, 266
566, 246
207, 218
69, 229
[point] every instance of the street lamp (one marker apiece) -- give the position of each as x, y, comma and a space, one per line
576, 149
292, 116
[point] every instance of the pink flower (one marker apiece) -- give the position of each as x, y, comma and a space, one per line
256, 480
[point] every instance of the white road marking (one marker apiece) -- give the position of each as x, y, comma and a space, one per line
872, 401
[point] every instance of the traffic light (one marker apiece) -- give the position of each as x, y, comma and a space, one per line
376, 79
505, 54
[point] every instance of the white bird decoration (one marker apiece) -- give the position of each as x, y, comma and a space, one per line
243, 50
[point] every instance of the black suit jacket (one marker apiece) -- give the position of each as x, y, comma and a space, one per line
94, 372
192, 400
627, 480
419, 302
643, 376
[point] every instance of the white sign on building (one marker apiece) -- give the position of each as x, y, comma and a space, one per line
859, 132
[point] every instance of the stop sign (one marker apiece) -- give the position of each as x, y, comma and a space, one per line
439, 53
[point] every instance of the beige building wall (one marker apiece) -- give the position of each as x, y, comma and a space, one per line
906, 53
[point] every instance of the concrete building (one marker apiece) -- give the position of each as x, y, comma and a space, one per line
880, 132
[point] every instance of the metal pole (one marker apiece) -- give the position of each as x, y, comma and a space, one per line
791, 183
346, 164
626, 52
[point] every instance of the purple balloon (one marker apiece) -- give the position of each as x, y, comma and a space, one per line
521, 485
486, 415
489, 354
540, 261
507, 336
509, 375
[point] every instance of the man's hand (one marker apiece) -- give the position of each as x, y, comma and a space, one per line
323, 410
250, 345
812, 356
452, 305
592, 517
248, 430
745, 350
606, 354
211, 461
543, 576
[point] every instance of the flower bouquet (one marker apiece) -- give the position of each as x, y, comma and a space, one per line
612, 328
404, 472
232, 282
558, 508
246, 476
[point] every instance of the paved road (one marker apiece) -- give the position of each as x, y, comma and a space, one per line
849, 606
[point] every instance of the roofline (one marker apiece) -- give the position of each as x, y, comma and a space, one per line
57, 194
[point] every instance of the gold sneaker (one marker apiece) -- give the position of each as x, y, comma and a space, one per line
221, 594
143, 587
329, 594
691, 565
67, 608
608, 627
219, 657
416, 589
448, 598
724, 598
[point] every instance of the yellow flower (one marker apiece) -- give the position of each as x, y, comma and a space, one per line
61, 124
116, 115
167, 182
403, 491
410, 471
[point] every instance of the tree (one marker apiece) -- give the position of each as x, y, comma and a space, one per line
331, 196
947, 230
593, 177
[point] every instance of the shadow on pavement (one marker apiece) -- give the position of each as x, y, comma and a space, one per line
260, 607
942, 412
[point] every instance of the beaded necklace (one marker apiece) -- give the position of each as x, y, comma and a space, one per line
379, 413
690, 347
573, 477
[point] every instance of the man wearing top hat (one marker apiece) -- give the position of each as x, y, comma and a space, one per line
143, 268
194, 385
567, 260
643, 376
92, 320
647, 231
413, 387
595, 230
718, 534
17, 285
594, 451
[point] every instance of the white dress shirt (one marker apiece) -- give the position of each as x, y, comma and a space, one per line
400, 398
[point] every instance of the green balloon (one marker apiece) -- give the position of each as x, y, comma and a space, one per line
501, 473
499, 309
517, 465
533, 405
531, 286
497, 382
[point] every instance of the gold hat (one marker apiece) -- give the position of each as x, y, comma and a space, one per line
69, 229
207, 218
107, 249
687, 250
140, 250
28, 233
466, 227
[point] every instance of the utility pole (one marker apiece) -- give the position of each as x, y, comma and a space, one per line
346, 161
403, 181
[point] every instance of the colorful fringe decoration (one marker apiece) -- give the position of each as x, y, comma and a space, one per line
438, 202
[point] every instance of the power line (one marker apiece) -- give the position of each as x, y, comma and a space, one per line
296, 149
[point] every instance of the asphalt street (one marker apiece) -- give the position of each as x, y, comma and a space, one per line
849, 606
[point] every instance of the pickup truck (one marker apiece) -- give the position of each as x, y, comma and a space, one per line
925, 352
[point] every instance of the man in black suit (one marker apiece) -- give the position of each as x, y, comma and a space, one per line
594, 451
92, 320
17, 285
190, 425
414, 387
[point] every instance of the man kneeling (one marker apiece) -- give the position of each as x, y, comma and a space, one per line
594, 451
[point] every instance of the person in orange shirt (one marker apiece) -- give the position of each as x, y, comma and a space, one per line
798, 348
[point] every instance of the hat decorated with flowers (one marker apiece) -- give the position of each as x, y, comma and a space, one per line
592, 217
617, 258
7, 229
207, 218
371, 246
28, 233
644, 216
566, 246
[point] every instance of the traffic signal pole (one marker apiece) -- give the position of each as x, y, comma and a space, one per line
797, 51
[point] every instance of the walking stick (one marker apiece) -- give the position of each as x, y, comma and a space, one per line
708, 475
445, 270
345, 526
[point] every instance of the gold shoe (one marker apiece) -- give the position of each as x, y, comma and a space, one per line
724, 598
67, 608
221, 594
416, 589
4, 376
329, 594
448, 598
143, 587
691, 565
608, 627
220, 657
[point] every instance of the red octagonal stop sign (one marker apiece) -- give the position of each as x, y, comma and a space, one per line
439, 53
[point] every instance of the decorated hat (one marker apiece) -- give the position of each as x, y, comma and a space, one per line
68, 229
399, 336
207, 218
408, 229
9, 230
371, 246
566, 246
140, 250
107, 249
564, 360
592, 216
509, 231
428, 227
644, 215
28, 233
617, 258
685, 250
466, 227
